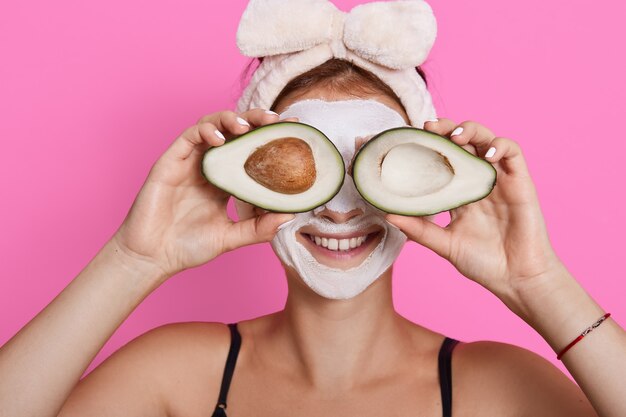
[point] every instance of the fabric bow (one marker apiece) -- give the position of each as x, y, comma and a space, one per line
395, 34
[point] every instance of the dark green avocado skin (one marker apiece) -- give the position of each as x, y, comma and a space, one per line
274, 209
439, 137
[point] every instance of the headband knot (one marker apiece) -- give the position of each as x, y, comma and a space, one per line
395, 34
336, 38
388, 39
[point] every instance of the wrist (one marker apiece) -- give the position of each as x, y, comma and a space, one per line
555, 305
143, 269
528, 295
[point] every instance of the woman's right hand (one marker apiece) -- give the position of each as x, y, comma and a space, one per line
178, 219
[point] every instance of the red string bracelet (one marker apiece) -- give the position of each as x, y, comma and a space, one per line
583, 334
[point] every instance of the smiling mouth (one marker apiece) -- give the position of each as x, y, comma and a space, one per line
342, 247
335, 244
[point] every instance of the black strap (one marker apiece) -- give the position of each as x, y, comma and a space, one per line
445, 374
229, 368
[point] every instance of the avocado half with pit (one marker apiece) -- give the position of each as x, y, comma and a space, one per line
413, 172
286, 167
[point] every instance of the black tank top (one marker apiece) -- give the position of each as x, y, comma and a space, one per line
445, 372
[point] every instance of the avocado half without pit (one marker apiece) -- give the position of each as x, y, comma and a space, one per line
284, 167
414, 172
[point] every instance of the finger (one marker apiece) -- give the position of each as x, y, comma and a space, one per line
424, 232
211, 134
442, 127
259, 117
508, 154
446, 127
472, 133
234, 123
258, 211
191, 140
228, 122
255, 230
470, 148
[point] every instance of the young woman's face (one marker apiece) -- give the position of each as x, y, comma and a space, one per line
340, 248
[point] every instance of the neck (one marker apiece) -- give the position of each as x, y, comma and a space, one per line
332, 342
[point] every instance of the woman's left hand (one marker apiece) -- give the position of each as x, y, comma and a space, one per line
501, 241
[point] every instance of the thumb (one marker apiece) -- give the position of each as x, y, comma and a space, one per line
424, 232
255, 230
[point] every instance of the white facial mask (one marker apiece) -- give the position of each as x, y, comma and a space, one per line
342, 122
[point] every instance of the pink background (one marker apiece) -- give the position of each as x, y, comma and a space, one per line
93, 92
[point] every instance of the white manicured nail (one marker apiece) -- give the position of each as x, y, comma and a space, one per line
457, 131
219, 135
432, 120
242, 122
273, 113
491, 152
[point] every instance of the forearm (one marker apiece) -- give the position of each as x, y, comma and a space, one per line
559, 309
42, 363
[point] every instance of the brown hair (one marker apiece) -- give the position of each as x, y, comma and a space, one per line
338, 75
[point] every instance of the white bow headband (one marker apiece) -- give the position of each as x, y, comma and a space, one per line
388, 39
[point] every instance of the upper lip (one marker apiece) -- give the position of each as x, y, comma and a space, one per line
349, 235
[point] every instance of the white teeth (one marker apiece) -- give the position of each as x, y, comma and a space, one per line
338, 244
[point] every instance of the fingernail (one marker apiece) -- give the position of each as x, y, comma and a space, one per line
457, 131
432, 120
491, 152
273, 113
219, 135
242, 122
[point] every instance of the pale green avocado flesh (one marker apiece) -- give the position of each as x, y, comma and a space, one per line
223, 166
414, 172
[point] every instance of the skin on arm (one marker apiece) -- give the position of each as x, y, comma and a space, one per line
41, 364
598, 361
518, 382
144, 376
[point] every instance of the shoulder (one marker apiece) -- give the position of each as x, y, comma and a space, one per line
191, 335
155, 372
183, 362
191, 358
203, 343
181, 346
184, 350
510, 377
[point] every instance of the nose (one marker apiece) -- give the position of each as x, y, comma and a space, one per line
337, 217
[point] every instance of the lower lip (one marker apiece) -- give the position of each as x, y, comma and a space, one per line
343, 254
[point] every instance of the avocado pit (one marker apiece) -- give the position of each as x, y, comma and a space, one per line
285, 165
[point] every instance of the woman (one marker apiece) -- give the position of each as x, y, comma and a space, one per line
340, 350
